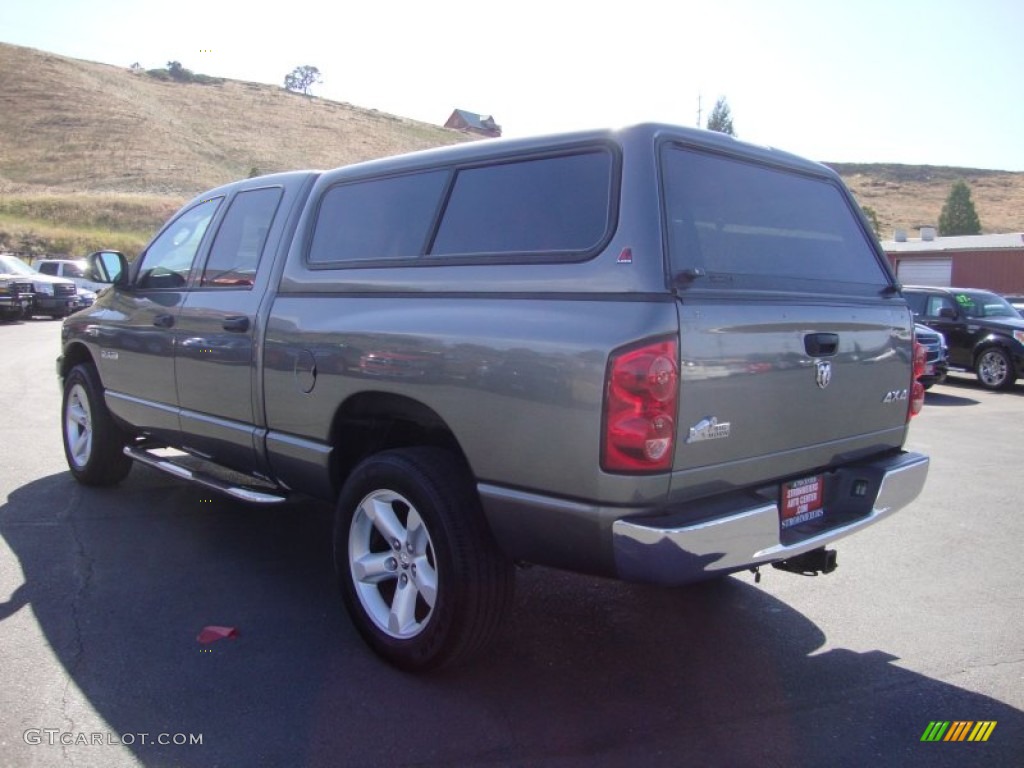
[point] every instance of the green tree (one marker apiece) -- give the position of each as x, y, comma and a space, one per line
872, 216
958, 216
178, 72
721, 118
301, 78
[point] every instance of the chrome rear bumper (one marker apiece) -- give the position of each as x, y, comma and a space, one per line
651, 549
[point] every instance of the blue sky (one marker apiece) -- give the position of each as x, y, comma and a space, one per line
935, 82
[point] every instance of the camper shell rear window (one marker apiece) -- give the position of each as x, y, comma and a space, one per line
737, 224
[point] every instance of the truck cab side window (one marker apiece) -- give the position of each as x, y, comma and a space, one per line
168, 262
236, 250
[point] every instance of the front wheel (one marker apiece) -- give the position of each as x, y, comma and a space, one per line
93, 443
995, 369
423, 580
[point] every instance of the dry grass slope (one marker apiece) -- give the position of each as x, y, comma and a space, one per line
93, 155
911, 196
86, 127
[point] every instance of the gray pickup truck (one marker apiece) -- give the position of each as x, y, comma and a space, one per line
655, 354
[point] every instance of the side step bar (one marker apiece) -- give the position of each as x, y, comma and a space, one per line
239, 492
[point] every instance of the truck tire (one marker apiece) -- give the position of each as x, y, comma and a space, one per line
995, 369
93, 442
421, 576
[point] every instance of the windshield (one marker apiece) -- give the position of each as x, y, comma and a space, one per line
12, 265
985, 305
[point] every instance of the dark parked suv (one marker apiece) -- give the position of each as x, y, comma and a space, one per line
984, 333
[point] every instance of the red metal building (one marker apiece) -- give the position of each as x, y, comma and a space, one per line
992, 262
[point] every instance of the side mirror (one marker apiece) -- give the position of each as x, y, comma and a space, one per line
109, 267
948, 313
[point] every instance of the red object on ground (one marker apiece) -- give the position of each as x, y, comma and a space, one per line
213, 634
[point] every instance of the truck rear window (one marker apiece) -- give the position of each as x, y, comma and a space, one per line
735, 224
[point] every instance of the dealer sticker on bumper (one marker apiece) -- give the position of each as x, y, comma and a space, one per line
802, 500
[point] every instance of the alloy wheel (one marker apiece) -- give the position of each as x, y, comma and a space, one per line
393, 565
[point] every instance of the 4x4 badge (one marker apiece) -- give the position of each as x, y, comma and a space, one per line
824, 373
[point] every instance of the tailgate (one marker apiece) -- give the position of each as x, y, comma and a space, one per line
795, 348
774, 389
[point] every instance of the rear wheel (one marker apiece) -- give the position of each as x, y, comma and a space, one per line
93, 443
423, 580
995, 369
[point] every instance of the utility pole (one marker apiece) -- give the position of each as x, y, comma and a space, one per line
698, 110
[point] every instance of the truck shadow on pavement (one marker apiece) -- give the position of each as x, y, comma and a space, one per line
586, 672
947, 400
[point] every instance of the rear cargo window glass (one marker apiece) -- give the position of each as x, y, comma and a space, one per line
736, 224
553, 204
387, 218
235, 253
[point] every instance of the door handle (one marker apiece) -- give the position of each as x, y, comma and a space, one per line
821, 344
238, 324
163, 321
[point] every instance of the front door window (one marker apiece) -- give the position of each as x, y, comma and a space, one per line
168, 262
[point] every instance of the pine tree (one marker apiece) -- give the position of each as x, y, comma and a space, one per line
721, 118
958, 215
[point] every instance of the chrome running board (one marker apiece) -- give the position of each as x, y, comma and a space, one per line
240, 492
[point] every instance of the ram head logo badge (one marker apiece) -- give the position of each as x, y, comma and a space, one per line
824, 375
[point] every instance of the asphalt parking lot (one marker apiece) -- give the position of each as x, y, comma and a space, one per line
103, 592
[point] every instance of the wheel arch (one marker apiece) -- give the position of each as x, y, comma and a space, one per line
371, 422
75, 353
993, 340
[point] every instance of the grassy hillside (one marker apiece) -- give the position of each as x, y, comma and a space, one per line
93, 155
91, 127
912, 196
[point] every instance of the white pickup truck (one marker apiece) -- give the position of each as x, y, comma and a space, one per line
76, 270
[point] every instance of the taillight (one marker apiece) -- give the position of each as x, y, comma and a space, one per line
641, 394
917, 388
